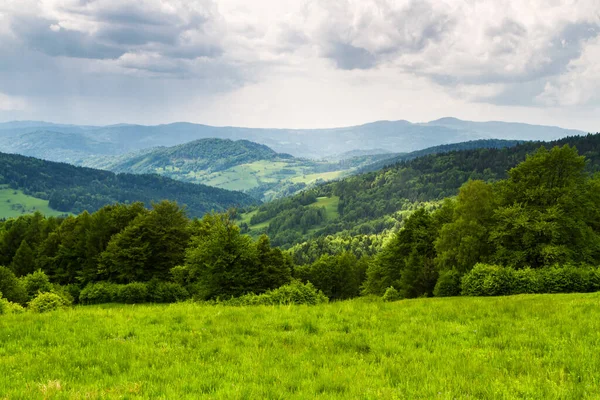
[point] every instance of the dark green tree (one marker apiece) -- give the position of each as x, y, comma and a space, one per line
24, 260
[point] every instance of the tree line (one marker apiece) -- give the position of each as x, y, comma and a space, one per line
544, 214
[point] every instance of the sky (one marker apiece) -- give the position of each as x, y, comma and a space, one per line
300, 64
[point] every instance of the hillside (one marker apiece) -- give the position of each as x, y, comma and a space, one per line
373, 202
74, 189
393, 136
234, 165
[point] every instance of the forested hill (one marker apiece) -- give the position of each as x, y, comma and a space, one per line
204, 154
367, 203
445, 148
75, 189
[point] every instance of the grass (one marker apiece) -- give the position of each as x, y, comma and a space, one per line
529, 346
14, 203
330, 204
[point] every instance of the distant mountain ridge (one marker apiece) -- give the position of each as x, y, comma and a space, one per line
393, 136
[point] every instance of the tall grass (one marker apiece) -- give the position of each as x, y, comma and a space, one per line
527, 346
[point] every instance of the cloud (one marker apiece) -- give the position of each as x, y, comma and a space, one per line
502, 54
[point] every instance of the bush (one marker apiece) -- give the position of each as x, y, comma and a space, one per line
526, 281
132, 293
7, 307
73, 290
292, 293
98, 293
448, 284
166, 292
11, 287
48, 301
391, 294
567, 279
491, 280
488, 280
36, 282
62, 292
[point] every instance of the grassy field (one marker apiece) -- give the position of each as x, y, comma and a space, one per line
14, 203
535, 347
330, 204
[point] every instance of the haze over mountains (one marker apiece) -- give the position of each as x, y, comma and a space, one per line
75, 143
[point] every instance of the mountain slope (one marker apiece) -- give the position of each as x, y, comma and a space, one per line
75, 189
393, 136
234, 165
372, 202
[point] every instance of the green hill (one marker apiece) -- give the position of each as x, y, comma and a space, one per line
234, 165
372, 202
70, 189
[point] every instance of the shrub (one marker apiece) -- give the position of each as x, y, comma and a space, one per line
7, 307
132, 293
488, 280
166, 292
11, 287
448, 284
62, 292
36, 282
98, 293
48, 301
526, 281
292, 293
73, 290
391, 294
566, 279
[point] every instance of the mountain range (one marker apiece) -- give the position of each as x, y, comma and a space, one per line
76, 143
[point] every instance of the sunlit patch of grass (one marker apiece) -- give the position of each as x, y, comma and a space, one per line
529, 346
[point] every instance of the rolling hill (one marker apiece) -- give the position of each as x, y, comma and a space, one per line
372, 202
234, 165
71, 189
393, 136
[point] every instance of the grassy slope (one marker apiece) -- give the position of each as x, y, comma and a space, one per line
536, 346
330, 204
14, 203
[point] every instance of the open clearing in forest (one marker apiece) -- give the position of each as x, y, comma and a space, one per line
527, 346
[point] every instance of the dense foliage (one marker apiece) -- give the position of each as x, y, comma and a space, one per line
368, 203
76, 189
542, 217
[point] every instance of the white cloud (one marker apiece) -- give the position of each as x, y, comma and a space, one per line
301, 63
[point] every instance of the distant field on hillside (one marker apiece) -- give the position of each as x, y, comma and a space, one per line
14, 203
528, 346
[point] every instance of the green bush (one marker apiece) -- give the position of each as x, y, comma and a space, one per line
48, 301
7, 307
292, 293
488, 280
391, 294
492, 280
448, 284
98, 293
166, 292
11, 287
36, 282
73, 290
526, 280
132, 293
567, 279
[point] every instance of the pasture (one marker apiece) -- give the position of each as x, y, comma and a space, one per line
527, 346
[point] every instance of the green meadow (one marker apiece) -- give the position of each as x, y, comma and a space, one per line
14, 203
527, 346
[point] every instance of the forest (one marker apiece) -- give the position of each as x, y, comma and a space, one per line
373, 202
536, 231
72, 189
